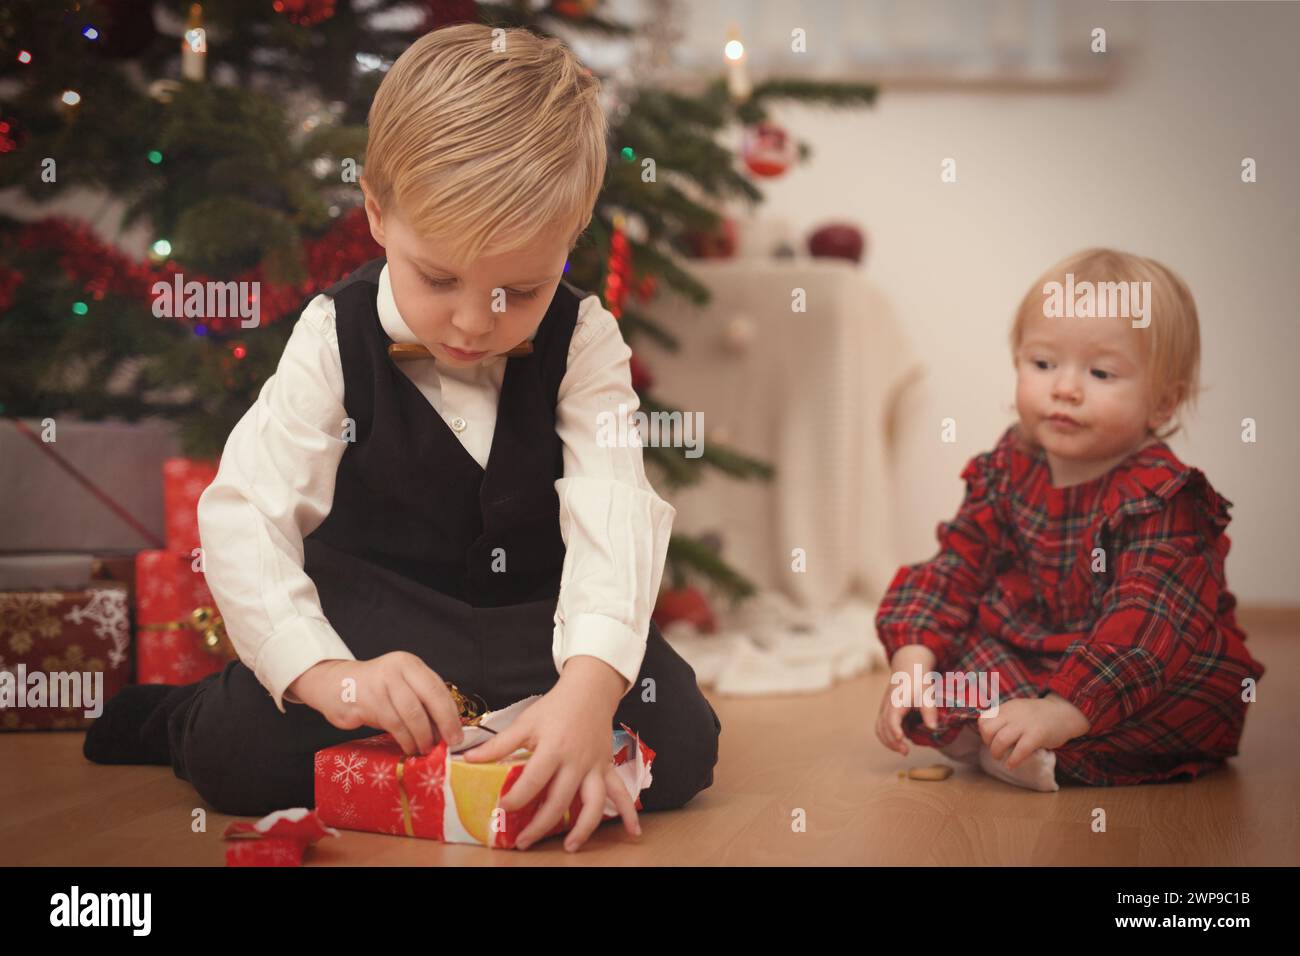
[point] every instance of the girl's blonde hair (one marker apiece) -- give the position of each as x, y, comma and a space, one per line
484, 139
1172, 340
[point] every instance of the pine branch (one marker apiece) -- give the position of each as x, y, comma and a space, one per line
834, 95
687, 556
684, 471
634, 324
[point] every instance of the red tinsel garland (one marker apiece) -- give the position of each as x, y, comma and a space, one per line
102, 269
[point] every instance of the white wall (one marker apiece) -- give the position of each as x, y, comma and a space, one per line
1150, 165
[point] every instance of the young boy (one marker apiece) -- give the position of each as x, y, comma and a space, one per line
377, 529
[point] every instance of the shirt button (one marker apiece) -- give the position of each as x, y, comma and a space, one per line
458, 424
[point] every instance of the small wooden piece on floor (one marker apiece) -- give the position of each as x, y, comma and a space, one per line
938, 771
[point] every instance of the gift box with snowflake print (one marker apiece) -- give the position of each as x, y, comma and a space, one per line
182, 637
63, 655
370, 784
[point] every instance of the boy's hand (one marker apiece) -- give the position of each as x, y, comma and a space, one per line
1024, 725
889, 722
395, 692
569, 733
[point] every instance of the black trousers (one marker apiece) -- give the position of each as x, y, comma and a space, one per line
246, 758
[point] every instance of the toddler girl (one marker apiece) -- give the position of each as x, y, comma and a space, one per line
1085, 567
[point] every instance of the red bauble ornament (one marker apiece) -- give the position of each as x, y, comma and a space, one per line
684, 604
718, 244
645, 289
12, 136
837, 240
767, 149
304, 13
574, 9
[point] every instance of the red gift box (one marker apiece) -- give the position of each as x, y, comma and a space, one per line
184, 481
53, 643
371, 784
181, 636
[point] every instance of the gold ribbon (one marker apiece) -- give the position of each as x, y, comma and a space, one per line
401, 792
206, 622
472, 710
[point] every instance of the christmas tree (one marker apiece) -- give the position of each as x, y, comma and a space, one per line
234, 132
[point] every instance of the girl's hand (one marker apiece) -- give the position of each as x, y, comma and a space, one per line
904, 687
1023, 726
569, 733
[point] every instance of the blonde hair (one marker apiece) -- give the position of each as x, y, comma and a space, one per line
1172, 341
474, 137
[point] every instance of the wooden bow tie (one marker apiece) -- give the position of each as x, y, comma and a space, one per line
406, 351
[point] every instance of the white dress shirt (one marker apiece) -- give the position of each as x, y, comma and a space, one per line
275, 485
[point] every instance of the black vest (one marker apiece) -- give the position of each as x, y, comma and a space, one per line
410, 497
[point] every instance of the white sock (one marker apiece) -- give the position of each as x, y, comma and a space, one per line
1036, 772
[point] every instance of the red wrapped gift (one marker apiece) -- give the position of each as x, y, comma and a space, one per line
63, 654
184, 480
370, 784
181, 635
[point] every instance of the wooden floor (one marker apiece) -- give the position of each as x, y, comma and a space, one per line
815, 753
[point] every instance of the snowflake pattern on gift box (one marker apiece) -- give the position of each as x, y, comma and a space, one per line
184, 482
348, 770
184, 668
72, 659
434, 779
381, 778
155, 583
347, 814
27, 617
416, 808
107, 610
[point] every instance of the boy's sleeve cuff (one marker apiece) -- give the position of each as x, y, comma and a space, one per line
294, 649
601, 637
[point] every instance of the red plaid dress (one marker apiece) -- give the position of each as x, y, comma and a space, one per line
1147, 645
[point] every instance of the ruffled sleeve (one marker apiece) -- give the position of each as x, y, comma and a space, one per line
934, 602
1163, 533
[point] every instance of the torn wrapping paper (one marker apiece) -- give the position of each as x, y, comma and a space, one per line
278, 839
370, 784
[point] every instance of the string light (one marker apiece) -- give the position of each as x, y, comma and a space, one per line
155, 157
162, 248
80, 308
71, 97
90, 33
239, 351
24, 57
